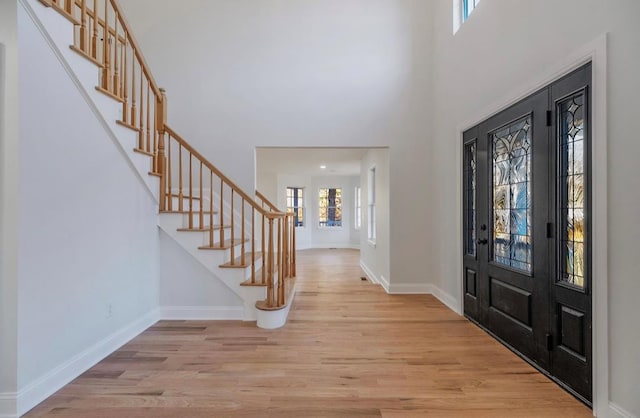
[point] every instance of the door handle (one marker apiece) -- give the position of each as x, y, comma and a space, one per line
482, 241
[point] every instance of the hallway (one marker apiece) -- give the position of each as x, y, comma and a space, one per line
348, 350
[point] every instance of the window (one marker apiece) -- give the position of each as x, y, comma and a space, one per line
372, 205
467, 7
295, 204
330, 208
358, 211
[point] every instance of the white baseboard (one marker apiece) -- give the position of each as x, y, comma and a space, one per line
202, 313
410, 289
448, 300
40, 389
616, 411
384, 282
367, 272
8, 401
423, 289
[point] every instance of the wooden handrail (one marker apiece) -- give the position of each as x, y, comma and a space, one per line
224, 178
136, 47
266, 202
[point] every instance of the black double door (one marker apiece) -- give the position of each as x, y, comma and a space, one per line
527, 276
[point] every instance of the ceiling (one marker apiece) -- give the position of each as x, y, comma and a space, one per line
307, 161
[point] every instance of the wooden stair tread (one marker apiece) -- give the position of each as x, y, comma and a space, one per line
85, 55
226, 245
128, 126
258, 283
186, 212
204, 229
110, 94
237, 262
141, 151
262, 305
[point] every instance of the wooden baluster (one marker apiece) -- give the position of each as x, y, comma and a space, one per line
253, 245
68, 7
242, 247
201, 212
125, 80
190, 191
161, 171
233, 228
141, 132
285, 242
280, 275
262, 248
293, 249
155, 138
94, 36
148, 149
221, 217
270, 266
123, 68
169, 175
134, 111
180, 195
106, 63
211, 209
83, 27
116, 69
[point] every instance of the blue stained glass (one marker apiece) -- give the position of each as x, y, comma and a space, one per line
518, 221
512, 195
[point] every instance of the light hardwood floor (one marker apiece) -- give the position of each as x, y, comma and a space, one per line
348, 350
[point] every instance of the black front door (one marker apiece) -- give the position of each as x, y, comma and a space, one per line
526, 240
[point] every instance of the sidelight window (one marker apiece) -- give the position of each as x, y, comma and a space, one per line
470, 197
571, 113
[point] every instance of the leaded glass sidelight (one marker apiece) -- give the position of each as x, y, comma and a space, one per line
470, 197
571, 113
512, 195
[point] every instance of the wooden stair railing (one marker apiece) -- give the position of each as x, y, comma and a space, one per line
103, 36
290, 241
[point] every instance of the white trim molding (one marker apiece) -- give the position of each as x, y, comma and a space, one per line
369, 273
202, 313
616, 411
40, 389
596, 53
8, 404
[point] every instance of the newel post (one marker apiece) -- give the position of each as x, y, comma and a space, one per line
161, 120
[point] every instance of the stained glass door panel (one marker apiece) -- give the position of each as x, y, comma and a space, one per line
512, 195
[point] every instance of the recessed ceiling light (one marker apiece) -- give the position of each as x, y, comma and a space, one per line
323, 167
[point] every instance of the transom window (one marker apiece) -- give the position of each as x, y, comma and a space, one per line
468, 6
330, 208
295, 204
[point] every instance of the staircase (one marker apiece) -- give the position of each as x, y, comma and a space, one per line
243, 240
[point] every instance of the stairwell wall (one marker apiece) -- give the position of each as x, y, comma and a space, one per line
88, 238
8, 204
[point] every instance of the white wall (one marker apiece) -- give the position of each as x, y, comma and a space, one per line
502, 49
374, 256
8, 204
88, 239
185, 283
292, 73
311, 236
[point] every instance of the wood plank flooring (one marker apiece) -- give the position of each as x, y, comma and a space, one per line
348, 350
